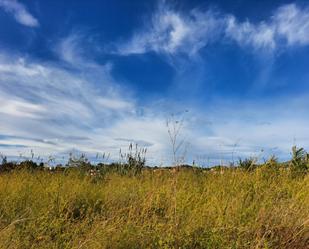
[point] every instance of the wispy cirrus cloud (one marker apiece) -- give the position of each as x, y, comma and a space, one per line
51, 109
174, 32
288, 26
292, 24
20, 12
52, 102
258, 36
56, 107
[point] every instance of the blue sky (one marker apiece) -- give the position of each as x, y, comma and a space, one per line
94, 76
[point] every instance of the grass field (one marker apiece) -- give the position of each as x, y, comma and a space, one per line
189, 208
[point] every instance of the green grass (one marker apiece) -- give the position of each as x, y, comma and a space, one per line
263, 208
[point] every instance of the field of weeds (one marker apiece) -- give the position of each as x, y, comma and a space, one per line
186, 208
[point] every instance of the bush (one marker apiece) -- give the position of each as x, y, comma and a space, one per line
247, 164
300, 161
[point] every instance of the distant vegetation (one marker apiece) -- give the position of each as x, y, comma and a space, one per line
129, 205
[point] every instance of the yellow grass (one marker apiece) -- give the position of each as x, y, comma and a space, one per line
162, 209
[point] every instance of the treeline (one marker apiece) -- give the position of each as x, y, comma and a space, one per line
133, 162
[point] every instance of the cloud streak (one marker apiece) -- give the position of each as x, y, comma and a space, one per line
19, 12
172, 32
75, 104
292, 24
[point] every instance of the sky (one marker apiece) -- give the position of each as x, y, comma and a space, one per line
94, 76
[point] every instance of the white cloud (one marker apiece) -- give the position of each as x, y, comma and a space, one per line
19, 108
45, 105
69, 49
19, 12
289, 26
245, 128
292, 24
172, 32
53, 109
261, 36
49, 102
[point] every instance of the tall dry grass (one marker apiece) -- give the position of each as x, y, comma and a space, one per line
233, 208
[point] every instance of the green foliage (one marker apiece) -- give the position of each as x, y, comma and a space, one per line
247, 163
134, 160
24, 165
300, 160
81, 162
